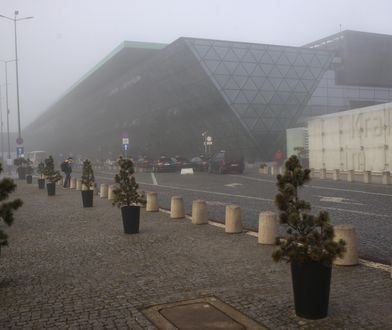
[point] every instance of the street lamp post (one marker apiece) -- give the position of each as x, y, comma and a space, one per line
7, 109
19, 141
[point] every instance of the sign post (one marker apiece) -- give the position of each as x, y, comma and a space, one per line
125, 144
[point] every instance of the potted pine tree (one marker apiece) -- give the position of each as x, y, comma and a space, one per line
88, 183
7, 186
40, 171
127, 197
309, 245
51, 175
29, 171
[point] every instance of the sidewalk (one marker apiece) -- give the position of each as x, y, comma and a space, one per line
69, 267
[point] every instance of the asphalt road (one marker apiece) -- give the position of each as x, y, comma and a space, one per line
366, 206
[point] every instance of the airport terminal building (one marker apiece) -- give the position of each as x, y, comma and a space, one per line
244, 95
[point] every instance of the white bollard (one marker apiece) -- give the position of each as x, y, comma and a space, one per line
335, 175
281, 170
78, 184
367, 175
199, 212
103, 192
386, 176
72, 184
110, 191
350, 175
177, 210
347, 233
274, 170
268, 228
233, 223
323, 173
152, 202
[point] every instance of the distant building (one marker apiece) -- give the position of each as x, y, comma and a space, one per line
244, 95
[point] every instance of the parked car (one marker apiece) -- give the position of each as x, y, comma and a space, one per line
183, 162
145, 164
165, 164
226, 162
200, 163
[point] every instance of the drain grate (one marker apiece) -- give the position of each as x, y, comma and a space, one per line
208, 313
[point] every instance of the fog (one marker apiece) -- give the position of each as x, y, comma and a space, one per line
67, 38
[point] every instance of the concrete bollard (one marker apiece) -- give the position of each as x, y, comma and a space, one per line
152, 202
233, 223
281, 170
323, 173
103, 192
274, 170
110, 191
79, 184
386, 176
199, 212
72, 184
335, 175
367, 176
350, 175
177, 210
60, 182
268, 228
348, 234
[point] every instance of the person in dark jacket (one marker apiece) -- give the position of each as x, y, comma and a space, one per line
66, 167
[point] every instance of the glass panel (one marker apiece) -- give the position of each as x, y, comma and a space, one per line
230, 56
249, 67
221, 51
249, 57
366, 93
250, 85
231, 66
212, 54
250, 94
240, 52
221, 79
240, 71
257, 54
211, 65
201, 50
267, 58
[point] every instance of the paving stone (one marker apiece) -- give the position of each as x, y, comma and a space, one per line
69, 267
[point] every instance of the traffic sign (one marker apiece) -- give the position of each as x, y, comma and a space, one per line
19, 141
19, 151
125, 147
125, 140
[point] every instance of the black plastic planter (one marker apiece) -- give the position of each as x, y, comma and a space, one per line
21, 173
87, 198
41, 183
29, 179
51, 188
311, 283
131, 219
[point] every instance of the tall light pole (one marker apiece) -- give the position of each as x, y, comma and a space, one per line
19, 140
1, 128
8, 110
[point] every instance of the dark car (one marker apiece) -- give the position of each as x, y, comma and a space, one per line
227, 162
183, 162
144, 164
200, 163
165, 164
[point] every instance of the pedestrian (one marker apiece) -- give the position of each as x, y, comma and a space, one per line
66, 167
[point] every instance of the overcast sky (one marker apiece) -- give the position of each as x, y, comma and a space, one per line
67, 38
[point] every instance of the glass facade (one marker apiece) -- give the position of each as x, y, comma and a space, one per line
244, 95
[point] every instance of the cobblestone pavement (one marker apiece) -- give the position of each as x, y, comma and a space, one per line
69, 267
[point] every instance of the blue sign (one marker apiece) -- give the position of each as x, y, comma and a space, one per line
125, 147
19, 151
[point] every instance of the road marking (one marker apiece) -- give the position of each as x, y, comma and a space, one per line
233, 185
216, 203
154, 179
338, 200
260, 199
318, 187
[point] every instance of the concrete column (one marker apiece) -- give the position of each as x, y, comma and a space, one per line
79, 184
152, 202
110, 191
348, 234
323, 173
268, 228
199, 212
335, 175
350, 175
177, 210
233, 223
367, 176
103, 192
386, 177
72, 183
